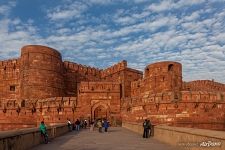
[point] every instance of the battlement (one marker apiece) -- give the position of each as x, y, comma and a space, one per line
113, 69
202, 96
203, 85
40, 86
9, 63
81, 69
99, 86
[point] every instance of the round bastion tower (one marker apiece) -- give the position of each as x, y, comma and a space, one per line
164, 77
41, 72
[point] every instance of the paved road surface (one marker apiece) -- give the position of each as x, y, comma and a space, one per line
116, 139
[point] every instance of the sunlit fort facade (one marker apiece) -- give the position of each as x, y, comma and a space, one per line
40, 86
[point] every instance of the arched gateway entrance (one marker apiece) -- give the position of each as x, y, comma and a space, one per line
100, 111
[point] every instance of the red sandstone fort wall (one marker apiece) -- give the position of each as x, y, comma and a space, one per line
107, 73
75, 73
203, 85
199, 109
39, 86
161, 77
93, 95
123, 75
51, 110
9, 79
56, 110
41, 72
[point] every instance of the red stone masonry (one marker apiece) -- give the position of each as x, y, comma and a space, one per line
41, 86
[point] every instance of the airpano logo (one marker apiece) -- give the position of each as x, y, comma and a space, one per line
200, 144
210, 144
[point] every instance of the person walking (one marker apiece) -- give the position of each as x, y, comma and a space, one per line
146, 131
85, 124
69, 124
106, 125
149, 124
43, 131
99, 124
77, 123
92, 126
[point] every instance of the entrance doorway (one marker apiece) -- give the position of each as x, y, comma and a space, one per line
100, 112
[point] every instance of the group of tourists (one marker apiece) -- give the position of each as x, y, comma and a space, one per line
100, 124
77, 124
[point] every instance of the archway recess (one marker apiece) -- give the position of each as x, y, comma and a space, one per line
100, 111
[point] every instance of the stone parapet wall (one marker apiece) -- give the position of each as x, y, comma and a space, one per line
51, 110
114, 69
184, 138
27, 138
82, 69
75, 73
194, 114
203, 85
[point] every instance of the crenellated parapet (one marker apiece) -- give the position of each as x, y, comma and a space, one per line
11, 63
9, 69
82, 69
203, 96
114, 69
99, 87
203, 85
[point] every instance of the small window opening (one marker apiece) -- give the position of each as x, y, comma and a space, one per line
170, 67
23, 103
12, 88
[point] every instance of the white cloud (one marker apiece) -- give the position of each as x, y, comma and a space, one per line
102, 2
162, 6
5, 9
67, 11
170, 4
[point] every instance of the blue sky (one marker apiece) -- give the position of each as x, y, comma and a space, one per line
102, 32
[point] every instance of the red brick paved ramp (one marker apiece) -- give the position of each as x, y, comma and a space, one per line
115, 139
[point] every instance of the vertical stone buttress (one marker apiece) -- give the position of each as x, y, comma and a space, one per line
41, 72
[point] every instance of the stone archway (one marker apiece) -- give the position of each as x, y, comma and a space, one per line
100, 111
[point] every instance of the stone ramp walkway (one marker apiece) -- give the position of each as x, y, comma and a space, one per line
116, 139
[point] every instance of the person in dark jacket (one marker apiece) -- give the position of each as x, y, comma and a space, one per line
106, 125
77, 123
146, 126
149, 128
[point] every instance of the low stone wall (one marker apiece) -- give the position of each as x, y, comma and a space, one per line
27, 138
184, 138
